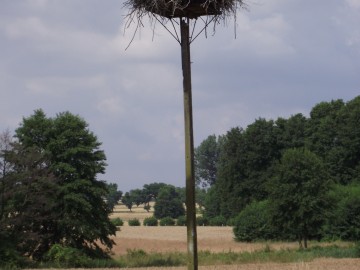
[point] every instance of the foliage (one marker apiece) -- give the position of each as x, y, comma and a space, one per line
168, 203
217, 221
61, 256
138, 196
298, 194
254, 223
139, 258
344, 221
181, 221
127, 200
167, 221
202, 221
134, 222
206, 160
150, 192
117, 221
113, 196
53, 195
212, 202
150, 221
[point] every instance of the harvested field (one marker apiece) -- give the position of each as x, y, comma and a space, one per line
170, 239
213, 239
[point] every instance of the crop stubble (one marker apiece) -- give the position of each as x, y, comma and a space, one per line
213, 239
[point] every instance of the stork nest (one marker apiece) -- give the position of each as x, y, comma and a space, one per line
192, 9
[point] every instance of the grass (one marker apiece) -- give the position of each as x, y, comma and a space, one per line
140, 258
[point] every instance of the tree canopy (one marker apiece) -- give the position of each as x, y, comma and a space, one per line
54, 196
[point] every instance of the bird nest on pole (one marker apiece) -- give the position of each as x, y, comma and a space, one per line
192, 9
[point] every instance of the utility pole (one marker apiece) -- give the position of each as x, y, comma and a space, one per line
189, 147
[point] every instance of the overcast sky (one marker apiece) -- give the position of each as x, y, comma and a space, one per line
69, 55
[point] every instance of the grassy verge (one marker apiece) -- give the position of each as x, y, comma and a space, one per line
139, 258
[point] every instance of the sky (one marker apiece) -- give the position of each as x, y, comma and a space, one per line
278, 58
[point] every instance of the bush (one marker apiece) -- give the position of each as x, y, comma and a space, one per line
134, 222
181, 221
202, 221
217, 221
167, 221
117, 221
343, 221
253, 223
168, 203
150, 221
67, 257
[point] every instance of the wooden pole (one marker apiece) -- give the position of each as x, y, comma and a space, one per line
189, 147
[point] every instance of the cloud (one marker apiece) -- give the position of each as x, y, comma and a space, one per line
70, 55
353, 3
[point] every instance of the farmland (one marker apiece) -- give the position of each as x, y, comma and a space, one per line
210, 239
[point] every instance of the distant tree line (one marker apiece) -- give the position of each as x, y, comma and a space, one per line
295, 178
168, 200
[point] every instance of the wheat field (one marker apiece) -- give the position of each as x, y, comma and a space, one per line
214, 239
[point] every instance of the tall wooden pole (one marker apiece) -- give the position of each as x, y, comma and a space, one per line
189, 147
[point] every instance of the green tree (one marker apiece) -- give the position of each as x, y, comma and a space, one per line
138, 196
212, 202
168, 203
343, 219
246, 164
291, 132
254, 223
127, 200
150, 192
206, 161
32, 191
113, 196
298, 194
74, 160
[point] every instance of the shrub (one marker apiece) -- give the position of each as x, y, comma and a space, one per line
150, 221
134, 222
202, 221
343, 221
181, 221
217, 221
167, 221
117, 221
67, 257
253, 223
168, 203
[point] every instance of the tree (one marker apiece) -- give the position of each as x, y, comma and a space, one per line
31, 198
127, 200
343, 219
206, 161
150, 192
168, 203
74, 159
254, 223
298, 194
291, 133
138, 196
113, 196
246, 164
5, 166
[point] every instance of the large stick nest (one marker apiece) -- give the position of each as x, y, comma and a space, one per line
184, 8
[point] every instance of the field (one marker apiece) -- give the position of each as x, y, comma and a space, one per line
213, 239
